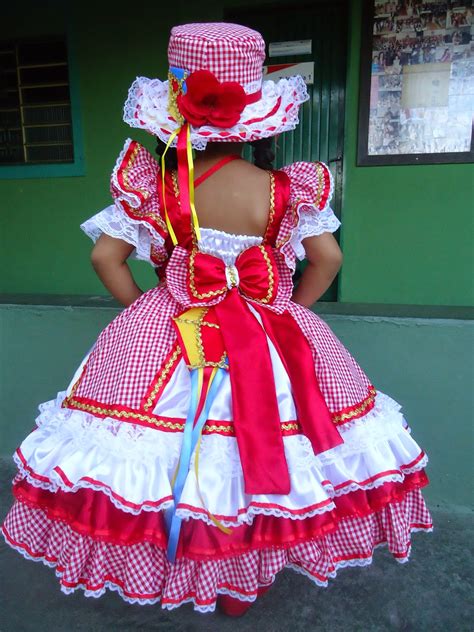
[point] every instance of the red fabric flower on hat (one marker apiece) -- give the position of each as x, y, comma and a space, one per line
209, 102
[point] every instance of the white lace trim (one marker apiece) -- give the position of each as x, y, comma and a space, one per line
312, 223
249, 516
139, 443
114, 222
146, 108
124, 448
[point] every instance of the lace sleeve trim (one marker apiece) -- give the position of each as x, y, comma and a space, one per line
149, 246
309, 213
312, 223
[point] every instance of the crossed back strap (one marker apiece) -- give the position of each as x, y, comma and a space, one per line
182, 222
209, 172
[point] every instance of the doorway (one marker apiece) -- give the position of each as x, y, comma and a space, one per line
320, 134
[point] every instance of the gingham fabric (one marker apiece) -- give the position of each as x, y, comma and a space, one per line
141, 573
176, 279
311, 188
131, 350
230, 51
340, 378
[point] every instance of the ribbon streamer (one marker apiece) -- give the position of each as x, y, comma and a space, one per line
163, 187
191, 437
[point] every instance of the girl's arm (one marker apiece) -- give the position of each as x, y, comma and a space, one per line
109, 259
324, 261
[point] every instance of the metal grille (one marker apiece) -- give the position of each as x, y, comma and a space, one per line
35, 105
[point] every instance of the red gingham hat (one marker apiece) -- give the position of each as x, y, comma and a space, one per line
219, 64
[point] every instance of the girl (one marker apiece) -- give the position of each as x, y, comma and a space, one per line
218, 431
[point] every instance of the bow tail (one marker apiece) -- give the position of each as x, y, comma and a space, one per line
254, 400
295, 353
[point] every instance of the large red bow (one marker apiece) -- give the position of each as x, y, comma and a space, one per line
254, 400
254, 274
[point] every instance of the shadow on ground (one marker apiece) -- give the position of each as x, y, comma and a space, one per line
432, 592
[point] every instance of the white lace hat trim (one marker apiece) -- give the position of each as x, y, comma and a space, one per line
146, 108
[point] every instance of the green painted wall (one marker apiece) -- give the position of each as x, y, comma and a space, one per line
407, 231
406, 235
419, 362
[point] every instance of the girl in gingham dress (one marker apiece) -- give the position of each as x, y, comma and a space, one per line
218, 431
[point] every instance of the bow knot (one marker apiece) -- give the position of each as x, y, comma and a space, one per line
232, 276
254, 274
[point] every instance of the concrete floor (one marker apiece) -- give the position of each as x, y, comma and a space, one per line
432, 592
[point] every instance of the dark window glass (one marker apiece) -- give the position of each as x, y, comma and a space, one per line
35, 104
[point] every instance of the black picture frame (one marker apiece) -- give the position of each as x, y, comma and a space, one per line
364, 159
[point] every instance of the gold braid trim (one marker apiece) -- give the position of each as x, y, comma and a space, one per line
271, 278
124, 414
290, 426
217, 428
160, 423
192, 285
188, 321
132, 189
321, 181
174, 179
271, 214
357, 412
167, 368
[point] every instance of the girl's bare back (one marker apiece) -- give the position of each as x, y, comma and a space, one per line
234, 199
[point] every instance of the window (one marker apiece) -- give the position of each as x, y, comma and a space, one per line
36, 122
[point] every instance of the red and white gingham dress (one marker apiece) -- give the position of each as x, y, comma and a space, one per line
94, 478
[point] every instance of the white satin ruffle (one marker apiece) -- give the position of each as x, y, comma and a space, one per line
134, 465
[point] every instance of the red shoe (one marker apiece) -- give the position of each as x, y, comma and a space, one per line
263, 589
232, 607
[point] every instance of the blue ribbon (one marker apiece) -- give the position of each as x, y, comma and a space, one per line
190, 439
180, 74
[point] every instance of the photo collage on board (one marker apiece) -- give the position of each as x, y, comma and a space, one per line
422, 77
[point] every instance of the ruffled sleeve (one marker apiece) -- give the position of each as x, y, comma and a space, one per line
135, 215
309, 213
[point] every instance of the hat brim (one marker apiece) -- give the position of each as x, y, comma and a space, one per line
277, 111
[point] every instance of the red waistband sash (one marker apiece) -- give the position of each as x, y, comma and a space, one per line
295, 353
254, 399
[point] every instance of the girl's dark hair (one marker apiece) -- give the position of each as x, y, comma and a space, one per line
263, 154
171, 158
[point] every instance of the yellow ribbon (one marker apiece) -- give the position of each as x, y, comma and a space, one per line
163, 188
189, 154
